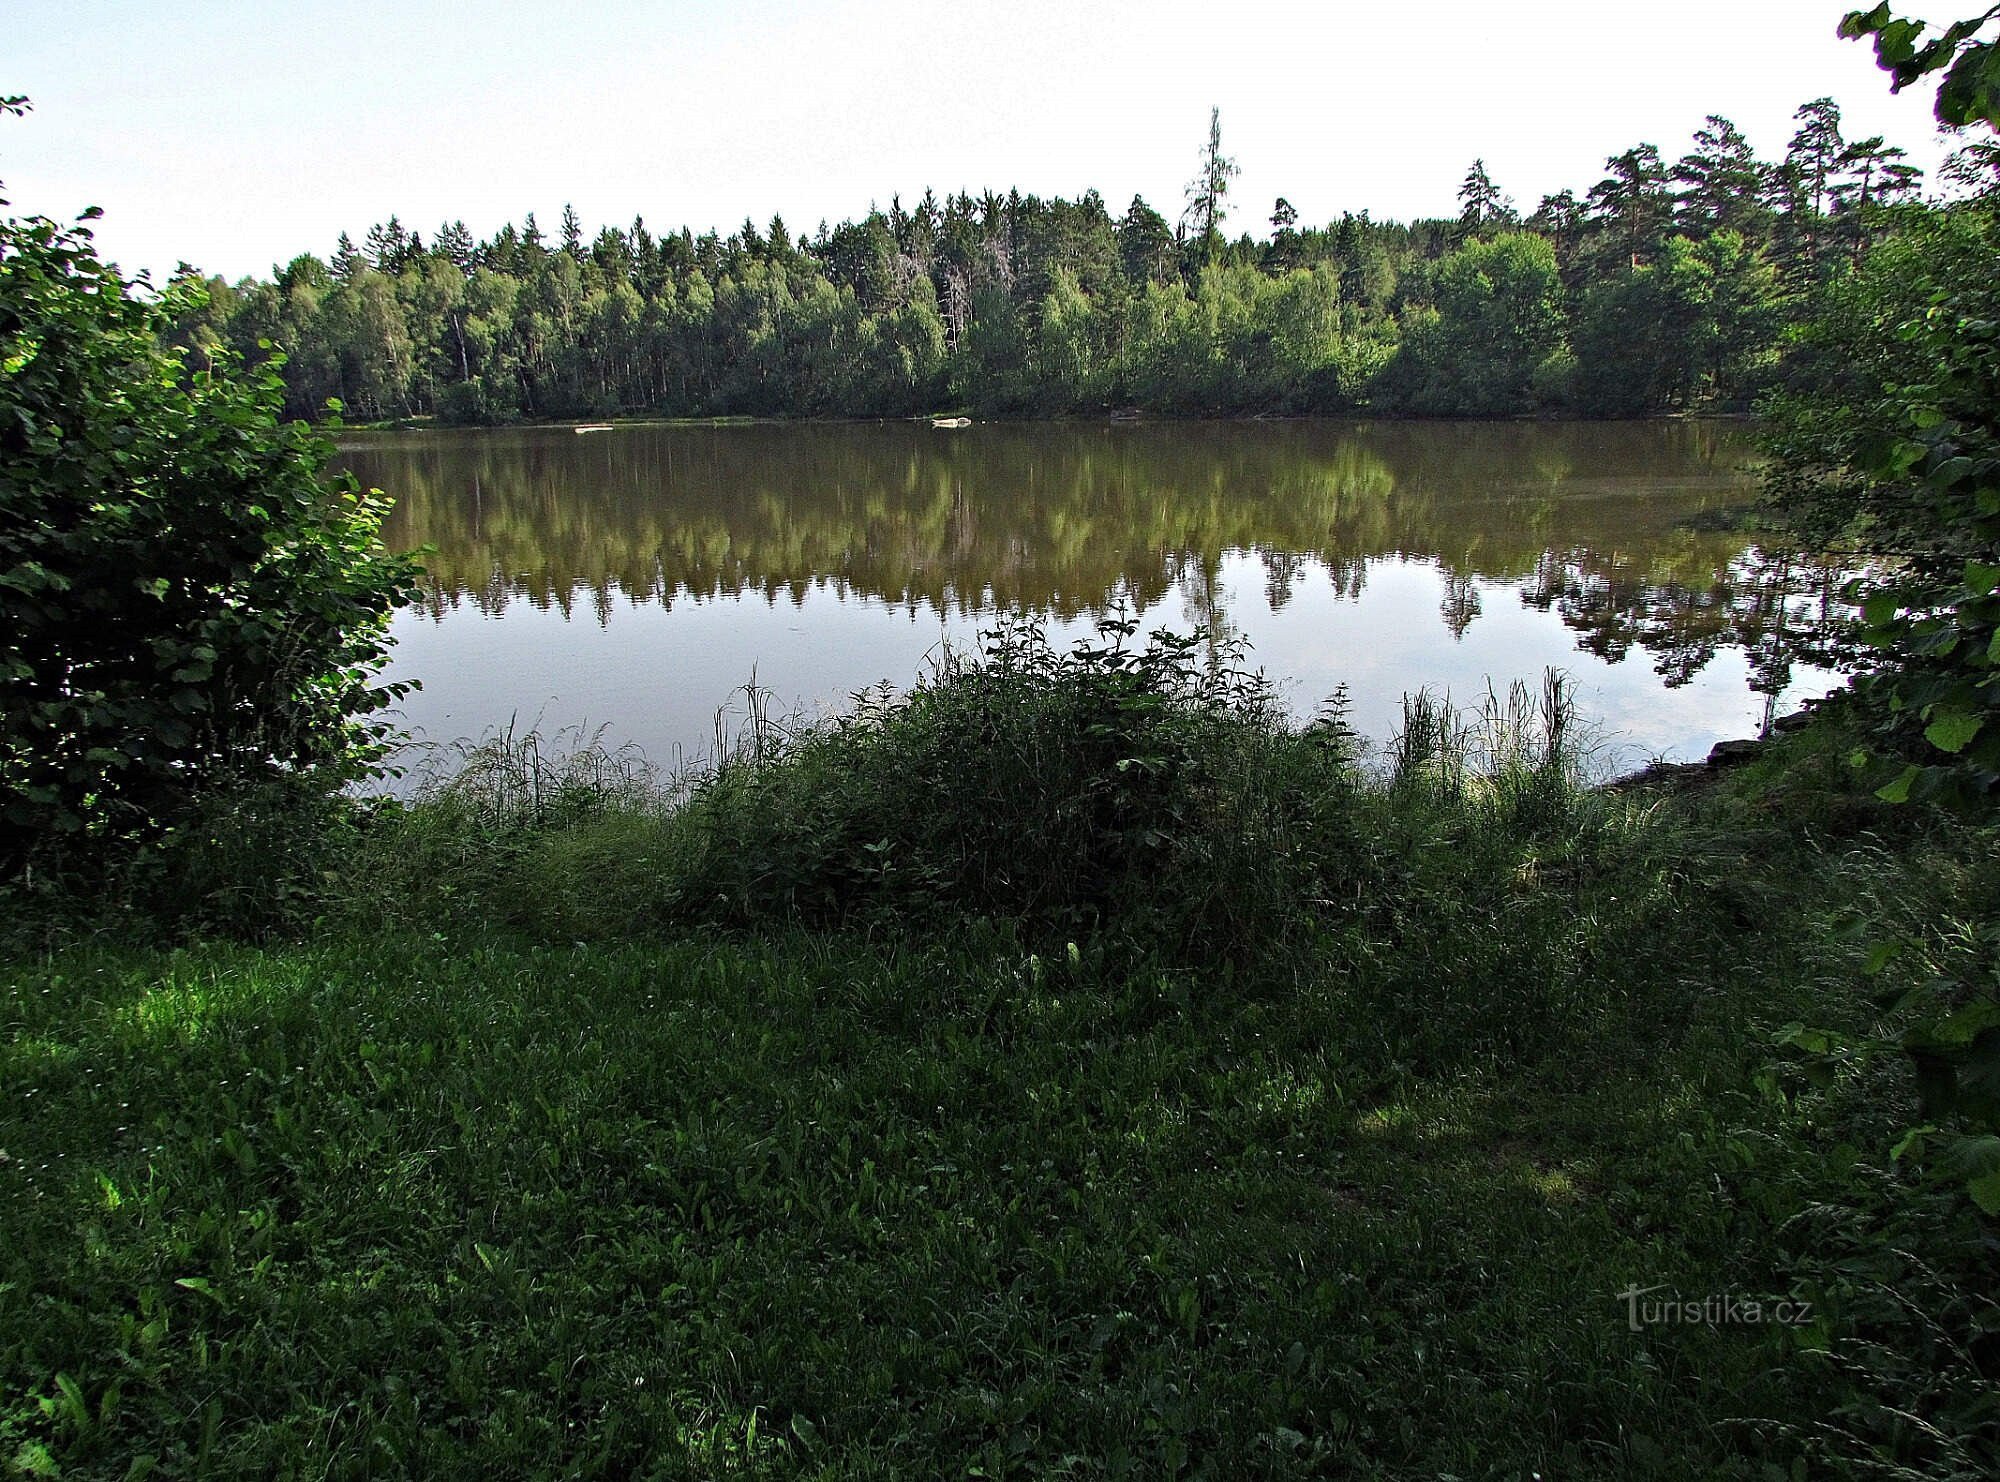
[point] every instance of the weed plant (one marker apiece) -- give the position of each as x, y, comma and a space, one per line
1151, 791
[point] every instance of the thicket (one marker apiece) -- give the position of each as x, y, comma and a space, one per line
1151, 793
188, 605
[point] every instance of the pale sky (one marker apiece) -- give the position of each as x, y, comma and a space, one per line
237, 135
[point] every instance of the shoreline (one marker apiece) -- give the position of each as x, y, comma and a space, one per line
1359, 416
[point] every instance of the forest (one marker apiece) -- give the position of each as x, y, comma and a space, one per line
1665, 286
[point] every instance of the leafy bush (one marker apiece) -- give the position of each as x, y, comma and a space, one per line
1888, 447
186, 601
1147, 791
1154, 789
1143, 784
1498, 318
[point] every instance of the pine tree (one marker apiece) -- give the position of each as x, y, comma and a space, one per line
1815, 152
1632, 200
454, 243
1721, 181
1145, 244
346, 258
389, 246
1480, 202
1208, 190
1874, 173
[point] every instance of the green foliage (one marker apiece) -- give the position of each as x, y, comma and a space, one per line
1892, 452
1481, 202
1208, 191
1693, 327
1970, 89
427, 1195
1498, 319
1899, 454
184, 601
1020, 306
1151, 793
1894, 449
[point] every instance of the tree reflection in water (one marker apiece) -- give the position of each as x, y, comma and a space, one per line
1622, 530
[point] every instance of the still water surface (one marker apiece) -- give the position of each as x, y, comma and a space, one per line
634, 578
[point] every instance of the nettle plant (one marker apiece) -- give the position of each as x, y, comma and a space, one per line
187, 601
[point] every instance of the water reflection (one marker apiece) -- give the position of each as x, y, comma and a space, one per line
832, 557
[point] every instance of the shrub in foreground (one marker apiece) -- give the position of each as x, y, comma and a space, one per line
1150, 788
186, 602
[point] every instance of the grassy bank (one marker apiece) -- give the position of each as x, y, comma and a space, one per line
1073, 1071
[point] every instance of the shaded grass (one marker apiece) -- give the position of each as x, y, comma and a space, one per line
534, 1160
474, 1206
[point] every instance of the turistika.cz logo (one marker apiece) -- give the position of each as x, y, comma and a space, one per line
1644, 1310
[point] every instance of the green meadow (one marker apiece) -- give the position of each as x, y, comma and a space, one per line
1232, 1104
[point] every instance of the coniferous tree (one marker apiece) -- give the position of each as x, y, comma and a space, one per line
1815, 153
1145, 245
454, 243
1722, 183
1209, 190
1631, 205
1973, 169
345, 258
389, 246
1018, 303
1481, 203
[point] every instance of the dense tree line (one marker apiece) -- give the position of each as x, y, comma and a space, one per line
1663, 286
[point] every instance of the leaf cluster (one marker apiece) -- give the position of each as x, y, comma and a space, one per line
1970, 89
185, 598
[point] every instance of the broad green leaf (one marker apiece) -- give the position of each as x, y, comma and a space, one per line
1898, 791
1985, 1191
1953, 731
1965, 1025
1910, 1144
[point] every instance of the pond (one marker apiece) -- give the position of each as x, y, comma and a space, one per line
637, 578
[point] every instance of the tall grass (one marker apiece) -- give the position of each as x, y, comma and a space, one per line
514, 779
1528, 738
1151, 788
1148, 791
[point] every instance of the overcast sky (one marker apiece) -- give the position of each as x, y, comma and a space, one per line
236, 135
